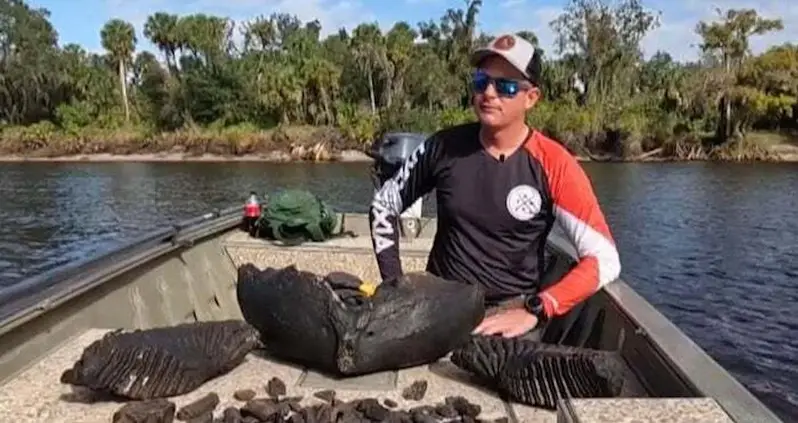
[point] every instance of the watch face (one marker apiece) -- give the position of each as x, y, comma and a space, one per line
533, 304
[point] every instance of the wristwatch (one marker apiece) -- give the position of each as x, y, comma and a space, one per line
534, 305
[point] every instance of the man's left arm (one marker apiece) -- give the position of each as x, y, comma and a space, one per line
578, 213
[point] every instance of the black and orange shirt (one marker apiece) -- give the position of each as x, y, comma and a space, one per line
494, 217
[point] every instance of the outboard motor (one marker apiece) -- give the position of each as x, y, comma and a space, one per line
389, 152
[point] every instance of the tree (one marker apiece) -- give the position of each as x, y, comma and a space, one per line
119, 39
600, 96
605, 40
729, 41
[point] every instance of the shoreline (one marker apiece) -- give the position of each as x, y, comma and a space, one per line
346, 156
780, 154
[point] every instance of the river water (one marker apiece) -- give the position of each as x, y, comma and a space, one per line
713, 246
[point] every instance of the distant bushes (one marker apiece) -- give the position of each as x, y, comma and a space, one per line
630, 133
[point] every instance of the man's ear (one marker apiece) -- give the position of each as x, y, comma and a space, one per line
532, 97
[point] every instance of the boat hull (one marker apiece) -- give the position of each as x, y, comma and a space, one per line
189, 273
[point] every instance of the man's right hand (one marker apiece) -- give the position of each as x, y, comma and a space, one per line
510, 322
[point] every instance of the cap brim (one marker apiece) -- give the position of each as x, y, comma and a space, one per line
480, 54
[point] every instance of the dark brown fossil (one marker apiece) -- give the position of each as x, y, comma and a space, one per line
162, 362
206, 417
275, 387
325, 323
372, 409
244, 394
149, 411
199, 407
463, 406
539, 374
231, 415
363, 410
415, 391
261, 408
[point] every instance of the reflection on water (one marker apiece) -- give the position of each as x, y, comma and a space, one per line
713, 246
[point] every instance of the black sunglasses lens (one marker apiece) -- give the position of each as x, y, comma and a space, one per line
506, 87
480, 82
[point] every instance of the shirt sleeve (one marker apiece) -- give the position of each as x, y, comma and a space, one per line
414, 179
577, 211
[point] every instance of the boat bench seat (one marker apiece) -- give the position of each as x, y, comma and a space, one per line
648, 410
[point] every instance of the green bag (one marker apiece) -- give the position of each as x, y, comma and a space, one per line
297, 215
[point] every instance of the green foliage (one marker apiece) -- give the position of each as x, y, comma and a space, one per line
213, 94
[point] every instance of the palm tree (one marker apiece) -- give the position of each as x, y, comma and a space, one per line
161, 29
369, 51
119, 39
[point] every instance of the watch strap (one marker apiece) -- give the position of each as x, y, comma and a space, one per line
534, 305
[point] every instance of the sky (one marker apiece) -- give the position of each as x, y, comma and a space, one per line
79, 21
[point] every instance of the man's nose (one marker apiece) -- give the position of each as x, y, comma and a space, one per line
490, 91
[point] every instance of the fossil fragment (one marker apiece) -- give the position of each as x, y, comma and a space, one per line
303, 318
293, 403
363, 410
162, 362
275, 388
199, 407
149, 411
415, 391
463, 406
372, 409
262, 409
244, 394
327, 395
206, 417
539, 374
231, 415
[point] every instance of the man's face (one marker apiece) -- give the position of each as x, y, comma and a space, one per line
497, 106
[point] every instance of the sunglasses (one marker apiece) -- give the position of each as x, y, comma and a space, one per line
505, 87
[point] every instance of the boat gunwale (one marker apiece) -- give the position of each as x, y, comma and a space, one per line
40, 293
694, 366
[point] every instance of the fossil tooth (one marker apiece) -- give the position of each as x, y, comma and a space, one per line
162, 362
540, 374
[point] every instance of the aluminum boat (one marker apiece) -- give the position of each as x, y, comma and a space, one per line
187, 272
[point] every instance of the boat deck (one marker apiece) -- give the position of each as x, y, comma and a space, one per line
35, 395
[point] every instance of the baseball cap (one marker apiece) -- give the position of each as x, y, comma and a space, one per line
516, 50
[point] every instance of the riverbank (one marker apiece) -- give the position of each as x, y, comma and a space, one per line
273, 157
311, 144
782, 153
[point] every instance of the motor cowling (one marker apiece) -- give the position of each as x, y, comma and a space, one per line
389, 153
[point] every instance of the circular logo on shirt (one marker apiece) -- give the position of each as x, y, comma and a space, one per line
523, 202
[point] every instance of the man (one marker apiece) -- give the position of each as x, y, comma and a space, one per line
500, 187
